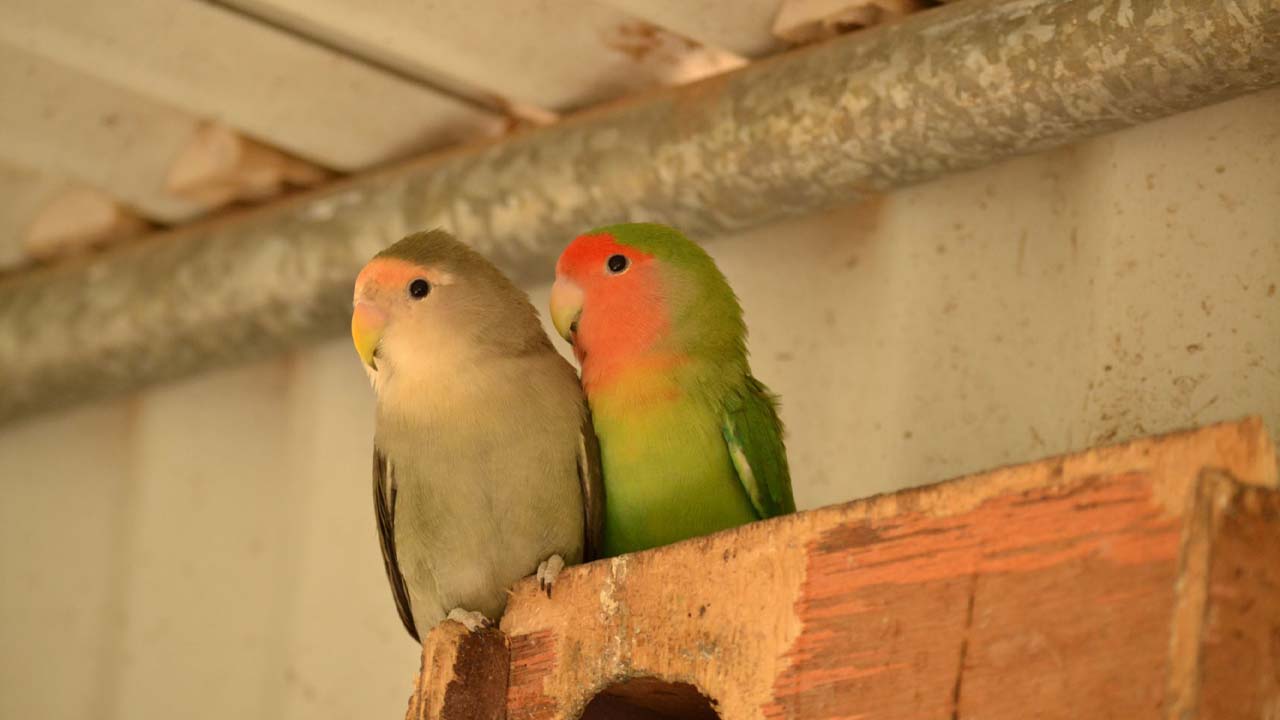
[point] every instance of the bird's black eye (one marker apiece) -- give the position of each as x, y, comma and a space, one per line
617, 263
419, 288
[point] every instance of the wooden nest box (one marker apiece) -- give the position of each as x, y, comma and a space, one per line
1129, 582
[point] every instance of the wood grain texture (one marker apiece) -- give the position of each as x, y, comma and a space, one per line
1227, 640
463, 676
1060, 589
933, 616
1240, 651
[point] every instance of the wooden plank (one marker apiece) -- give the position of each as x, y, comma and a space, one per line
1227, 634
1240, 650
744, 27
464, 675
1071, 617
1050, 588
214, 63
522, 57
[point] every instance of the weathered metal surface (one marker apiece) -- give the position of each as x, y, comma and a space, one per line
948, 90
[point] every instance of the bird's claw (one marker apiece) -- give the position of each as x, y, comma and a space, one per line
472, 620
548, 570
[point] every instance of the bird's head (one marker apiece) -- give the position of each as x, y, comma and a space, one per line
429, 303
624, 291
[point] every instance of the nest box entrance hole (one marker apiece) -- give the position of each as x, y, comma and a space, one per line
650, 699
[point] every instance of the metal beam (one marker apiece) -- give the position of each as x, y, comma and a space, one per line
952, 89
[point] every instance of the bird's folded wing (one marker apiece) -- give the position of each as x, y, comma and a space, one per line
753, 433
384, 506
592, 480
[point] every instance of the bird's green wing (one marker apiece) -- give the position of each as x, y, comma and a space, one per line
592, 480
384, 507
753, 433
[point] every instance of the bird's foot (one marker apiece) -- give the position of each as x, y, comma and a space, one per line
548, 570
472, 620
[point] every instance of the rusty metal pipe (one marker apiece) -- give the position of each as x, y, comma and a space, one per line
947, 90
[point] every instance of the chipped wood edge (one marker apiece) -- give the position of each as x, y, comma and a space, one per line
1212, 494
1218, 497
604, 620
1242, 448
463, 675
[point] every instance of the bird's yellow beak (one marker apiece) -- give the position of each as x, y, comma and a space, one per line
566, 306
367, 323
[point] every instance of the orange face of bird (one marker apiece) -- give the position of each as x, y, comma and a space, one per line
607, 298
387, 289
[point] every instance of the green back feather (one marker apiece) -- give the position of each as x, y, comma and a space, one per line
753, 432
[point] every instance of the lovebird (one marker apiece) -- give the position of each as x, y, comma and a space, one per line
690, 442
485, 466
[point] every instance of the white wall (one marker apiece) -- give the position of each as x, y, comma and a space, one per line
206, 550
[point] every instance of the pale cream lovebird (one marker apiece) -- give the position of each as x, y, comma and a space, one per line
485, 465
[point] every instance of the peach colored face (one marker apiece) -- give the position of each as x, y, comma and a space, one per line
607, 298
387, 289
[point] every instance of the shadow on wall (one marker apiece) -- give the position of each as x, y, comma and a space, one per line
649, 699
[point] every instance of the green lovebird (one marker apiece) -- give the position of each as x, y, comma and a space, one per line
690, 442
485, 467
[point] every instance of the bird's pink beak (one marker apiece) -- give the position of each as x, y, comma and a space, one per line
566, 307
367, 324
